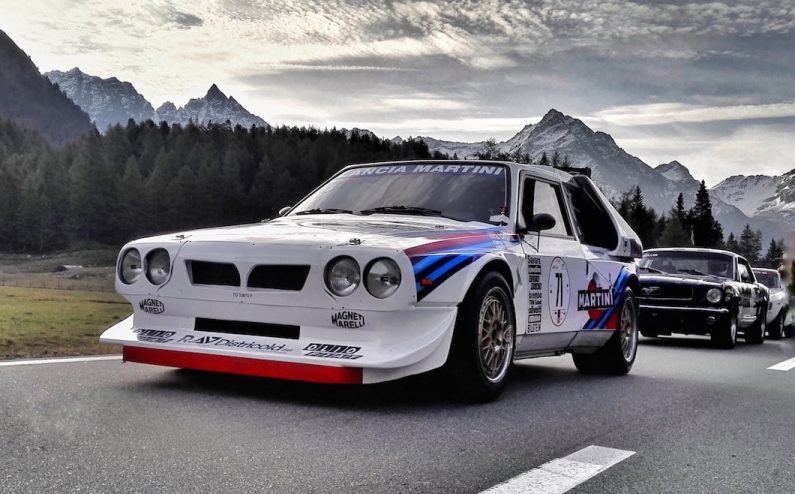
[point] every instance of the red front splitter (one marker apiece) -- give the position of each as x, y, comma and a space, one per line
243, 365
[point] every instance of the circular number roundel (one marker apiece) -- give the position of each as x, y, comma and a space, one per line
558, 291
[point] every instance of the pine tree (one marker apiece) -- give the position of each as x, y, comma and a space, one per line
732, 245
544, 161
775, 253
750, 244
706, 231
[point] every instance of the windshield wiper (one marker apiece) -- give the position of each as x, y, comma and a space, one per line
692, 271
653, 270
325, 211
402, 210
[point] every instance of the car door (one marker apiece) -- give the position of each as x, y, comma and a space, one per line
554, 263
748, 293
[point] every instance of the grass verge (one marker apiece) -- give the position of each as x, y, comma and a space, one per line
45, 323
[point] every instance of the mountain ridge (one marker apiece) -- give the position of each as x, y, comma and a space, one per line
32, 101
110, 101
616, 170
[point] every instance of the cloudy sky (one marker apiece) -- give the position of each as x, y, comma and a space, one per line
711, 84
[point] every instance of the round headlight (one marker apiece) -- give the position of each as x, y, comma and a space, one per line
130, 267
343, 275
714, 295
382, 277
158, 266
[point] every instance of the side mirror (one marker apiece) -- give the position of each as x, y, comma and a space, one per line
284, 210
541, 222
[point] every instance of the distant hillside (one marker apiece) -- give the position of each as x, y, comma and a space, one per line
32, 101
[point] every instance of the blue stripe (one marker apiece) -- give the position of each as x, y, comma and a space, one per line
618, 290
448, 266
425, 262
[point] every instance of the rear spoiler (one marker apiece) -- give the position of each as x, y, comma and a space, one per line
572, 170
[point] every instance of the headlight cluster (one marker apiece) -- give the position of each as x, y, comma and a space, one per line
381, 276
157, 266
714, 295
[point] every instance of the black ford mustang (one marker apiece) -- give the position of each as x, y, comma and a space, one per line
703, 292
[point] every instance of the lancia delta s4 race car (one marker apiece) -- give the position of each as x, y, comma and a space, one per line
779, 319
392, 269
701, 291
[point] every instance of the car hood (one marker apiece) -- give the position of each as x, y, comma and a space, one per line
327, 230
680, 279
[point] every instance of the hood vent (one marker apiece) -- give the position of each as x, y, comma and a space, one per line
213, 273
278, 277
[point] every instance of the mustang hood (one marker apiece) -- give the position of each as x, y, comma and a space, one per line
680, 279
341, 229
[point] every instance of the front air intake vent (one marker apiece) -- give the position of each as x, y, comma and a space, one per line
278, 277
213, 273
245, 328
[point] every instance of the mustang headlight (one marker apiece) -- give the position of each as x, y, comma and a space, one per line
382, 277
130, 267
343, 275
158, 266
714, 295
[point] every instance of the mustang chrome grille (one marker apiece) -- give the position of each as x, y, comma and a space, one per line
213, 273
247, 328
278, 277
667, 292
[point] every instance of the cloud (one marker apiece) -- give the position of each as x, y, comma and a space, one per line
665, 113
184, 20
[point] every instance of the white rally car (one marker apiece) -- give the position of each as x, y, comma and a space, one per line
394, 269
779, 319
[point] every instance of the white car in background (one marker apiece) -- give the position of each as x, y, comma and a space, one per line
394, 269
779, 319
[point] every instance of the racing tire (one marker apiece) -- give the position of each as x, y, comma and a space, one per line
726, 337
484, 340
755, 335
776, 329
618, 354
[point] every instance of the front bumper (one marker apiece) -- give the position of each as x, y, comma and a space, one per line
686, 320
381, 346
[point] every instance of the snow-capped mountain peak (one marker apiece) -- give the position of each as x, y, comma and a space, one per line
674, 171
107, 101
110, 102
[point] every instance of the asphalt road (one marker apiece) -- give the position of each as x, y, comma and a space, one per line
697, 418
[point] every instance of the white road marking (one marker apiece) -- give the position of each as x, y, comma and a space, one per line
71, 360
784, 366
563, 474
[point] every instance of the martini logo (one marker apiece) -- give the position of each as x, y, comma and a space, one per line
152, 306
595, 299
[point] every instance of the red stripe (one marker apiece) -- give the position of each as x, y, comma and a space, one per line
242, 365
460, 240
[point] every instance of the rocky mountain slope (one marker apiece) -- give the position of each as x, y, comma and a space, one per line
615, 170
108, 101
761, 196
111, 101
214, 107
30, 100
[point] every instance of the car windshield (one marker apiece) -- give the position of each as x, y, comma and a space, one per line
462, 192
688, 262
767, 278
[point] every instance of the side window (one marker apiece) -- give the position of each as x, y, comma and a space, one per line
592, 220
745, 277
543, 197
